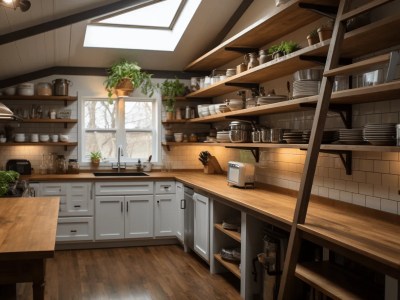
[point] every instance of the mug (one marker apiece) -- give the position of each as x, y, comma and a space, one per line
34, 137
54, 138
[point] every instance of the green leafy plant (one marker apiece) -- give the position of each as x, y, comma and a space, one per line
170, 89
285, 47
6, 179
313, 33
95, 156
129, 72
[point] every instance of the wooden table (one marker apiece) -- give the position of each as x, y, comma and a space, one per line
27, 237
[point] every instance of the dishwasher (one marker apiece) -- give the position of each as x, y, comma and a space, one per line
188, 218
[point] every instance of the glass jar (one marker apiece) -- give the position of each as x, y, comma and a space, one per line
73, 166
60, 164
263, 56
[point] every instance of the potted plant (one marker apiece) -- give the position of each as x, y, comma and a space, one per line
284, 48
325, 31
124, 76
312, 37
170, 89
95, 158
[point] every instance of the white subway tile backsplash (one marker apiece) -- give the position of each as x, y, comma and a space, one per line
359, 199
366, 165
374, 178
381, 191
351, 187
346, 197
366, 189
381, 166
373, 202
334, 194
389, 206
390, 180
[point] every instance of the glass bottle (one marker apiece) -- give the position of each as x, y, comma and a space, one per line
73, 166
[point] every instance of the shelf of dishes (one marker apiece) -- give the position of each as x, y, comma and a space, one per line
38, 144
374, 93
356, 44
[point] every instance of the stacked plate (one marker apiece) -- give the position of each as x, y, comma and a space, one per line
380, 134
305, 88
328, 136
270, 99
351, 136
294, 137
223, 137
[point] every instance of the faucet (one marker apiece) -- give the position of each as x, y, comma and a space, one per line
119, 166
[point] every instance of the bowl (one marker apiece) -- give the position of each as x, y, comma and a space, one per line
10, 91
44, 137
26, 89
212, 109
64, 137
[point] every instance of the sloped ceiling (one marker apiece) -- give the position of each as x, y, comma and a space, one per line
64, 46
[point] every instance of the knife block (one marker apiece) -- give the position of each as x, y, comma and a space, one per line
212, 166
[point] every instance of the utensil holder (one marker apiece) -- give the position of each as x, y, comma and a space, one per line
213, 166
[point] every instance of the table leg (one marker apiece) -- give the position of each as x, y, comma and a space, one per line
8, 291
38, 280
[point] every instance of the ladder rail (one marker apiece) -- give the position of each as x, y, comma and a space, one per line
293, 250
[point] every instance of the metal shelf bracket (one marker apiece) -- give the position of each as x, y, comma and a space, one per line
345, 157
247, 85
325, 10
243, 50
345, 112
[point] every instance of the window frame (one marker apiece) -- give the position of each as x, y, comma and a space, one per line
120, 129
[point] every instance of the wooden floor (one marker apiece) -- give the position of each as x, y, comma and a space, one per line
157, 272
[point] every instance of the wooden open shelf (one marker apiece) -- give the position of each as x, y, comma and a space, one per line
50, 121
233, 234
335, 282
232, 267
39, 144
281, 21
41, 98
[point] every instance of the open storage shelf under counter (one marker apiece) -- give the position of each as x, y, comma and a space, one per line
232, 267
233, 234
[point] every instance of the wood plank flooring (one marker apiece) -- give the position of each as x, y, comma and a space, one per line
156, 273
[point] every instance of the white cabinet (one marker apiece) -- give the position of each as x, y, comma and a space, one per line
164, 209
139, 216
75, 229
201, 226
180, 211
124, 210
75, 222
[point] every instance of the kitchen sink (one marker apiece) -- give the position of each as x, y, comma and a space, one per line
120, 174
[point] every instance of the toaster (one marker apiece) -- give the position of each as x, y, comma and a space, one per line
22, 166
240, 174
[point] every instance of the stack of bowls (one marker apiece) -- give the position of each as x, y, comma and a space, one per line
223, 137
20, 137
212, 109
234, 104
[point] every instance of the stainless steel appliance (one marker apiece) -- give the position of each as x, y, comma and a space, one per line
240, 174
188, 206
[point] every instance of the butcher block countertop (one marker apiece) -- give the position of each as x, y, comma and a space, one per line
28, 227
344, 227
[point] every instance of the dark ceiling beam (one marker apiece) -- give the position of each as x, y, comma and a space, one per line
89, 71
71, 19
231, 22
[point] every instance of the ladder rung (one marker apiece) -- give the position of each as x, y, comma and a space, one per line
358, 66
362, 9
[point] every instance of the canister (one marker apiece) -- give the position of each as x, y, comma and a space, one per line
61, 87
398, 134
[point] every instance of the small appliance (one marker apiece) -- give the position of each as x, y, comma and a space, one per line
22, 166
240, 174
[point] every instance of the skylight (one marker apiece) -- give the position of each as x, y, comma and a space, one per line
158, 26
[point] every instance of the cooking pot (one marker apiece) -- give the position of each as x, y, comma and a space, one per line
61, 87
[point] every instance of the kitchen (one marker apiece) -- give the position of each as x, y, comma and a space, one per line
372, 185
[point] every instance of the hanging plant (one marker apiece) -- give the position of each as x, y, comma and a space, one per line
124, 76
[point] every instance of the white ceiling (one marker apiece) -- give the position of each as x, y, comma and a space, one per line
64, 46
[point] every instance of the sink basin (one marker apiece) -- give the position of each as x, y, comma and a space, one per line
120, 174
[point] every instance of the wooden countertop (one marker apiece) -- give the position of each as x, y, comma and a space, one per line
28, 227
373, 234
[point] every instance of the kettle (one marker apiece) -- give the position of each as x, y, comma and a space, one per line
61, 87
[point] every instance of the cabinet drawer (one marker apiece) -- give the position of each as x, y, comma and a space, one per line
75, 229
53, 189
165, 187
124, 188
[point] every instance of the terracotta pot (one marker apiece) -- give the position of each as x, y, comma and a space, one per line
124, 87
169, 115
312, 40
95, 163
324, 33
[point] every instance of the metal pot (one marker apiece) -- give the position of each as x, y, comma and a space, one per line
61, 87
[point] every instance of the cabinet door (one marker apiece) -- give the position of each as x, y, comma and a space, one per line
180, 206
79, 199
109, 217
139, 216
201, 226
165, 215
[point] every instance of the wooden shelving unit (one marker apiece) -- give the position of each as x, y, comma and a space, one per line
66, 144
41, 98
232, 267
50, 120
330, 280
233, 234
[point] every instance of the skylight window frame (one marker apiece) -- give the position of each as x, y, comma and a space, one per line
178, 12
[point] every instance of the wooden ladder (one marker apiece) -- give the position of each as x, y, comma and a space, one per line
331, 69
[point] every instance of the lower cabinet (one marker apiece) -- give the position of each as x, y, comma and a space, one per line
75, 222
180, 206
75, 229
164, 209
119, 217
201, 226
